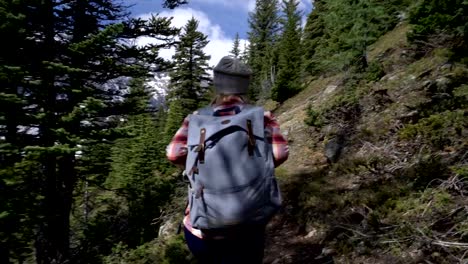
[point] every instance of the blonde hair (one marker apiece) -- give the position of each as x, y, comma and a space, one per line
222, 98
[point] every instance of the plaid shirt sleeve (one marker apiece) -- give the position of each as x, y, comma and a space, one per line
176, 151
277, 140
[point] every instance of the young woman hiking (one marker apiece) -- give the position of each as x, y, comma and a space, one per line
229, 150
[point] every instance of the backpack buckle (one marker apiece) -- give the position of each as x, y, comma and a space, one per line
194, 170
185, 177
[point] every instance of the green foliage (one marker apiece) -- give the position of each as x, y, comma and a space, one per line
314, 34
374, 71
139, 184
189, 87
440, 130
341, 107
288, 79
189, 77
440, 22
461, 92
338, 33
413, 206
140, 173
174, 3
429, 170
176, 251
355, 25
244, 57
19, 213
175, 116
63, 74
422, 215
235, 47
461, 171
263, 36
313, 118
165, 252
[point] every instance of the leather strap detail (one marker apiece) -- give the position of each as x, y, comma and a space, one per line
201, 146
251, 145
199, 192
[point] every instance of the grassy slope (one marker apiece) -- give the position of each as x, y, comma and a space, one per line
396, 193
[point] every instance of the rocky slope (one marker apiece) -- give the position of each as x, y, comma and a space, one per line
379, 172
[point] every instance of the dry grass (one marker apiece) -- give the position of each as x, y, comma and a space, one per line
394, 39
306, 96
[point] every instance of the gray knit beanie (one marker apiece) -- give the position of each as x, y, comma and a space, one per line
231, 76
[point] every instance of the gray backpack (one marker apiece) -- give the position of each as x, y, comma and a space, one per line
230, 169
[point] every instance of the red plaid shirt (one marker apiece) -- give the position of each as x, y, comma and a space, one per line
177, 150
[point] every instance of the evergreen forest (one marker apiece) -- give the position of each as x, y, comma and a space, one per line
371, 94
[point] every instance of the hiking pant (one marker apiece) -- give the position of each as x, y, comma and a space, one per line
245, 248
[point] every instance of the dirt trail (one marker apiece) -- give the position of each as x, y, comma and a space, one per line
286, 240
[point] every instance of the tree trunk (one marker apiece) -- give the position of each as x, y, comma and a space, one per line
52, 244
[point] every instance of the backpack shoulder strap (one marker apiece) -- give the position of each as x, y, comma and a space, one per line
250, 107
209, 111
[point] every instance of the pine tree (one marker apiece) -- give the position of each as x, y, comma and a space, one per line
440, 23
19, 194
314, 35
338, 33
244, 57
71, 60
351, 26
138, 170
288, 81
235, 48
189, 79
174, 3
175, 116
263, 35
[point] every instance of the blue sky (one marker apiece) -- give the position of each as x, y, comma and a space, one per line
219, 19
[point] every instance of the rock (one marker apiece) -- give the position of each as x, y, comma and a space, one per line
333, 149
361, 248
440, 96
330, 130
446, 67
330, 89
168, 228
413, 115
424, 73
276, 261
405, 53
443, 83
430, 86
416, 255
328, 251
427, 83
402, 16
383, 79
311, 234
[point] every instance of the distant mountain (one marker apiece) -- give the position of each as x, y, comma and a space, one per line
158, 88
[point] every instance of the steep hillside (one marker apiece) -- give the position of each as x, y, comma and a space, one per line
378, 165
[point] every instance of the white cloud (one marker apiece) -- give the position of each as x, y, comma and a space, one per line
219, 44
251, 5
247, 5
305, 4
